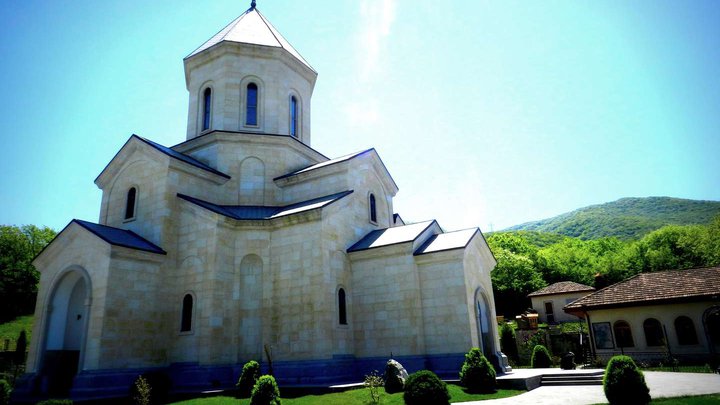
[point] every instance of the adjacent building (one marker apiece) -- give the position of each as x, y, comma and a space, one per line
549, 301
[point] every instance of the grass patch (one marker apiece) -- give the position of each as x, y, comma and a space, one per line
681, 369
354, 397
11, 330
691, 400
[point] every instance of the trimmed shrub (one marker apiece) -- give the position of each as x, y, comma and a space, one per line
265, 391
508, 342
55, 402
248, 378
154, 387
477, 374
5, 390
424, 387
395, 377
540, 357
624, 383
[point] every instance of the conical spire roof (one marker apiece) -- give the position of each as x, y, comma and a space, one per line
252, 28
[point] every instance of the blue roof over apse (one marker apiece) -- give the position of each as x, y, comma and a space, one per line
120, 237
390, 236
180, 156
257, 212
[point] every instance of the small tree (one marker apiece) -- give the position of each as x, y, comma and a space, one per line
373, 382
508, 342
424, 387
248, 378
624, 383
265, 392
5, 390
540, 357
477, 374
142, 391
21, 348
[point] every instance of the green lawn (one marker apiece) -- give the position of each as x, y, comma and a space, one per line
713, 399
11, 330
354, 397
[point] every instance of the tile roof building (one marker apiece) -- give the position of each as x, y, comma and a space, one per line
549, 301
651, 313
243, 240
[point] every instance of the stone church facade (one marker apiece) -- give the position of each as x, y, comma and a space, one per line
243, 241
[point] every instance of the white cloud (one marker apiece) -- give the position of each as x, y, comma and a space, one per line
376, 21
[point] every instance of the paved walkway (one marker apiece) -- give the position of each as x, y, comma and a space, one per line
661, 385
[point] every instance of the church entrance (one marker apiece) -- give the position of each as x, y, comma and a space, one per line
65, 334
485, 333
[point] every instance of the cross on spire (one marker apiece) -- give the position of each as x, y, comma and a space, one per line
252, 5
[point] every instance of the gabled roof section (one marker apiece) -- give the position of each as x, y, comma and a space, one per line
182, 157
251, 28
562, 287
166, 151
654, 288
120, 237
391, 236
256, 212
447, 241
325, 163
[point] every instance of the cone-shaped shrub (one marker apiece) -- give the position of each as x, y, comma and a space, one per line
265, 392
624, 383
477, 374
424, 387
540, 357
248, 378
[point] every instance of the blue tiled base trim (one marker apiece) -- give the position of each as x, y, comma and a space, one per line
191, 377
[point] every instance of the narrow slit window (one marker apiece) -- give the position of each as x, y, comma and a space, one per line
130, 203
187, 311
207, 105
342, 307
293, 117
373, 208
252, 104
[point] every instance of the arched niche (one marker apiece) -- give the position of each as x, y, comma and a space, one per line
252, 182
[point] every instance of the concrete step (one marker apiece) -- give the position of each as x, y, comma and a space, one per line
573, 379
564, 383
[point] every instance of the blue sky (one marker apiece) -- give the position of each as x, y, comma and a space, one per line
486, 113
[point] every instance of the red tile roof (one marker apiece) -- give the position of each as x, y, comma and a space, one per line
654, 288
562, 287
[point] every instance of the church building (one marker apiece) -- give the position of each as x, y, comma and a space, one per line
245, 243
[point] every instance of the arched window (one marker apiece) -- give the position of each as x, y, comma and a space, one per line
373, 208
252, 104
685, 331
187, 311
653, 332
207, 106
130, 203
623, 334
293, 116
342, 307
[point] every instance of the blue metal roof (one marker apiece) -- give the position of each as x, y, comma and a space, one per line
120, 237
390, 236
181, 156
257, 212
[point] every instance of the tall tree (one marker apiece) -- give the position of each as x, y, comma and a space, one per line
18, 277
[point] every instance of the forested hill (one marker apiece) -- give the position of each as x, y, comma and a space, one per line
626, 218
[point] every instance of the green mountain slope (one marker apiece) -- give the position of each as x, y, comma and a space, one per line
626, 218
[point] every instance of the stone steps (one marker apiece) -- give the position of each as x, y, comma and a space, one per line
572, 379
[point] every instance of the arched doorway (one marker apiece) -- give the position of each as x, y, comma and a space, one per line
711, 319
486, 342
67, 316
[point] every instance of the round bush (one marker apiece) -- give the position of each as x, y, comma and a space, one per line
395, 376
477, 374
540, 357
5, 390
265, 391
424, 387
624, 383
248, 378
